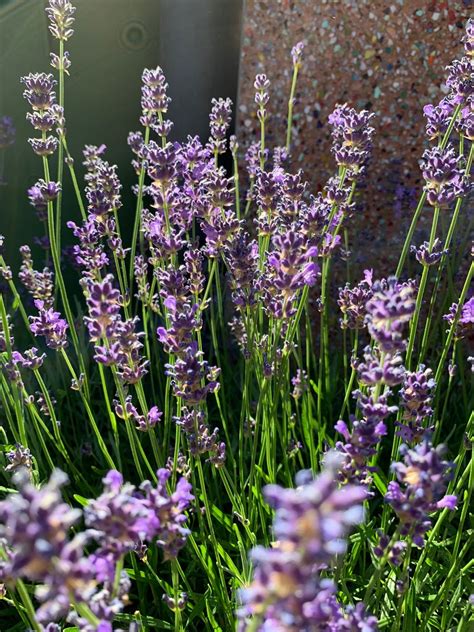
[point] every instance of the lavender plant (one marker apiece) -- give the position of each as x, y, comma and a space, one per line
286, 440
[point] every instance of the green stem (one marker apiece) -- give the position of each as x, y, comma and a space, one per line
138, 210
291, 100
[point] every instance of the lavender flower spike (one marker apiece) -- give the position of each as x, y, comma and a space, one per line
310, 527
419, 489
51, 325
61, 17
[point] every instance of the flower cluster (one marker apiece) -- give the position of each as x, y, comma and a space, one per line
291, 266
155, 101
297, 53
419, 489
261, 85
460, 79
219, 122
200, 439
19, 458
188, 374
116, 341
30, 360
352, 302
99, 229
49, 324
445, 180
127, 410
60, 14
416, 397
40, 285
438, 117
39, 92
388, 308
352, 139
463, 317
310, 527
36, 524
428, 255
40, 194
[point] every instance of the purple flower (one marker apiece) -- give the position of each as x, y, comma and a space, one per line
395, 552
119, 516
461, 79
352, 138
219, 122
60, 14
169, 511
429, 256
465, 123
352, 302
419, 489
199, 437
300, 383
445, 180
43, 192
35, 524
104, 307
154, 101
388, 311
103, 190
310, 527
30, 360
19, 457
51, 325
291, 266
438, 117
374, 370
268, 188
39, 90
468, 39
465, 318
176, 603
416, 397
105, 603
188, 373
141, 422
261, 85
241, 257
39, 284
297, 53
252, 159
219, 227
44, 147
361, 441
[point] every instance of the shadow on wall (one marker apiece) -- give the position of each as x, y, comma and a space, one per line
196, 43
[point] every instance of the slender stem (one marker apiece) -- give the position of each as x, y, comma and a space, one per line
60, 148
95, 428
138, 210
421, 292
236, 183
291, 101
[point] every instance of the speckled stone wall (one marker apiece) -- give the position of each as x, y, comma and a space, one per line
386, 56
